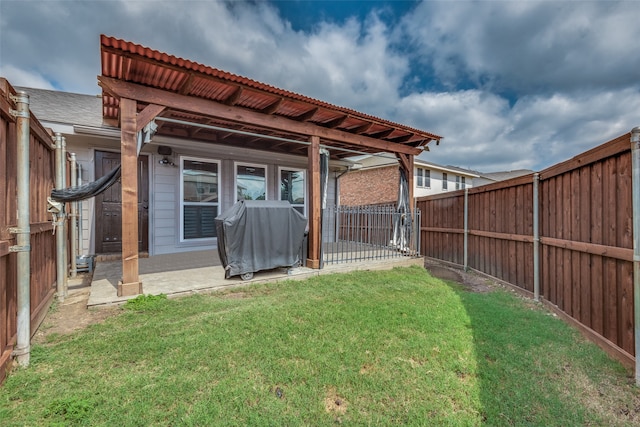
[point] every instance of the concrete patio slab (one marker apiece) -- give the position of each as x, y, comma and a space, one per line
202, 271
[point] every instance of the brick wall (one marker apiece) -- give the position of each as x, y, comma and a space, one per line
370, 186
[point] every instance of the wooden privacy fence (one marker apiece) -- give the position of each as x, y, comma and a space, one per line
585, 239
42, 242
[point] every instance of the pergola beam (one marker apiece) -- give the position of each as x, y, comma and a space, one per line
149, 113
120, 89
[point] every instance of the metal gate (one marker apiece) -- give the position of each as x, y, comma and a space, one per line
371, 232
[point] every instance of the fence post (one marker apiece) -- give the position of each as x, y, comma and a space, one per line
466, 229
635, 191
536, 238
418, 216
23, 232
61, 268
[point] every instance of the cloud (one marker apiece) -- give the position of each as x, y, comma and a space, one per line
483, 132
528, 47
561, 126
474, 124
27, 78
508, 84
56, 40
350, 64
353, 65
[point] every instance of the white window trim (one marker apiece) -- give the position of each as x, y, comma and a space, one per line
182, 204
304, 171
417, 175
445, 181
426, 176
256, 165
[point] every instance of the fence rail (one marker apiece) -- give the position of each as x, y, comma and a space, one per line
586, 239
371, 232
42, 258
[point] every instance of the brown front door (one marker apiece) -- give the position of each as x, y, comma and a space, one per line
109, 206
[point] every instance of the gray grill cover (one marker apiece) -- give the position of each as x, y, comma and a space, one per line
256, 235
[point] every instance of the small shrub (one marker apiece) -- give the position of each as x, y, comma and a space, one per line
146, 302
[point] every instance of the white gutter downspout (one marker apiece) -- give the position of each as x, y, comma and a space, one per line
22, 350
635, 191
80, 233
74, 219
64, 228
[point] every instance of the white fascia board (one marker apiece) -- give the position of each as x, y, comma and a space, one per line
111, 132
237, 153
63, 128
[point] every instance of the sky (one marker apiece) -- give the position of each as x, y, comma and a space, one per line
507, 84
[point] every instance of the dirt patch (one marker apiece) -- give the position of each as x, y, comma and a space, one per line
473, 282
72, 314
235, 295
333, 403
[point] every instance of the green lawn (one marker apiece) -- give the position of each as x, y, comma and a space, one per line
367, 348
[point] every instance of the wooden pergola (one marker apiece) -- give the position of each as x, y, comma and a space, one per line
140, 84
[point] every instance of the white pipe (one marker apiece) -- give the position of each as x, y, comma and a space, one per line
58, 221
23, 233
74, 219
64, 228
536, 239
79, 182
271, 137
635, 191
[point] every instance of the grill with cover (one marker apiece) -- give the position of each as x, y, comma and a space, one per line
255, 235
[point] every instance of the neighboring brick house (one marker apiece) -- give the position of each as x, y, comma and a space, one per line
374, 180
369, 186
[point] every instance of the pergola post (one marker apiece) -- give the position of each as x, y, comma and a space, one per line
315, 200
410, 182
130, 283
406, 162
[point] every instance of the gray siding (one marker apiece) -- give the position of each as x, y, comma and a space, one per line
163, 210
165, 194
164, 186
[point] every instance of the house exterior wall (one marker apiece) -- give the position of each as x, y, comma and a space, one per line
379, 185
436, 184
369, 186
165, 185
84, 147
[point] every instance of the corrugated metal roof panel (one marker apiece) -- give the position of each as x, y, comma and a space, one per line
255, 100
135, 63
204, 88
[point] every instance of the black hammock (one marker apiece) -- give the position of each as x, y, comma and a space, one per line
86, 191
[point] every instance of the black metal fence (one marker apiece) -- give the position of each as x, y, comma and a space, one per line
371, 232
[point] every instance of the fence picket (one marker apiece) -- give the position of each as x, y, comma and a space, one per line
586, 235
